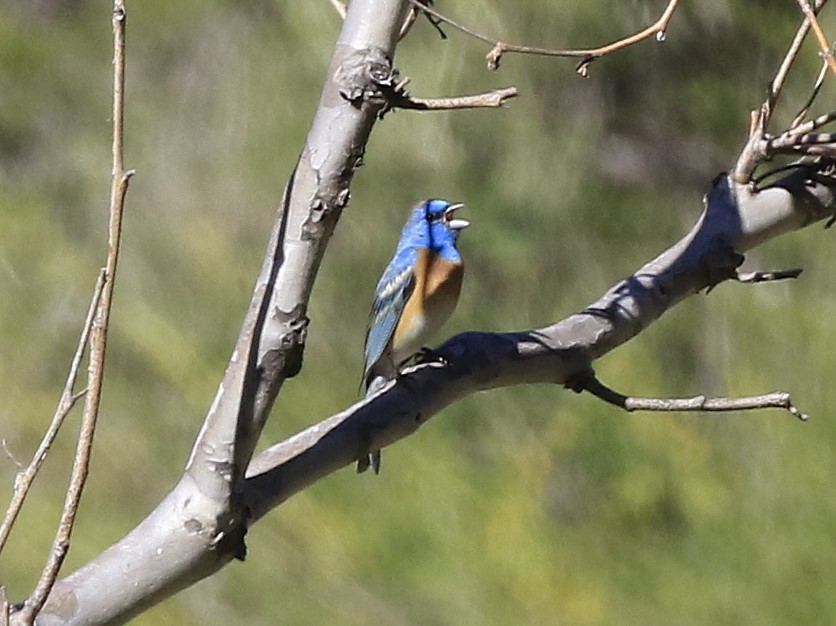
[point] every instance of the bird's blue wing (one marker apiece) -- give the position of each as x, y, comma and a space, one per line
392, 292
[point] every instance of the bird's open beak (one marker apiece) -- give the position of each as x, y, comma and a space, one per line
453, 222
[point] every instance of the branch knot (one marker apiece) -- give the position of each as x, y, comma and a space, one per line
366, 76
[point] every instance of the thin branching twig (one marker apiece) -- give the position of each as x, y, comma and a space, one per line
413, 14
777, 82
25, 477
755, 150
98, 339
587, 56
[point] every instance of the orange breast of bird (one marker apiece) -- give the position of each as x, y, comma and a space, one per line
438, 284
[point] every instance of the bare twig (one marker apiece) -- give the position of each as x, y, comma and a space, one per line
587, 55
808, 150
800, 140
489, 99
25, 478
408, 22
826, 50
774, 400
413, 14
753, 153
98, 339
814, 92
815, 124
777, 83
802, 134
816, 138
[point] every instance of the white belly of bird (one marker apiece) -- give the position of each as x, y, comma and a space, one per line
426, 324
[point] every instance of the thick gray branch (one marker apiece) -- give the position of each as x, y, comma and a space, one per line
736, 218
200, 525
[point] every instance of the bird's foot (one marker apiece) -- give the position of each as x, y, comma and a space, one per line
428, 355
424, 355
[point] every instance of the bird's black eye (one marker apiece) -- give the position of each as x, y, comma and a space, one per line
436, 211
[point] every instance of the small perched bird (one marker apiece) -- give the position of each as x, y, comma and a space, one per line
416, 294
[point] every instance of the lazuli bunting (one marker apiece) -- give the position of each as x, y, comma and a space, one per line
414, 297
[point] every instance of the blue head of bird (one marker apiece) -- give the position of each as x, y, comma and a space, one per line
434, 224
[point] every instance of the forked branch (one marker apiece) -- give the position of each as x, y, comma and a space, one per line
798, 139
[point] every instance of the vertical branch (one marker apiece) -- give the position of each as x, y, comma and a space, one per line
98, 341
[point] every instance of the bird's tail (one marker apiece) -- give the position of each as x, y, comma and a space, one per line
371, 458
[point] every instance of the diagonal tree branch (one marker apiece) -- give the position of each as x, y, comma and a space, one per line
736, 219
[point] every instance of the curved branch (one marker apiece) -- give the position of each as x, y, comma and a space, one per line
588, 55
735, 219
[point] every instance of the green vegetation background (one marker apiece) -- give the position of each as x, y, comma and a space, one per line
521, 506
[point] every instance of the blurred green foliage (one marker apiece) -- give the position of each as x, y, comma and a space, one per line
520, 506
